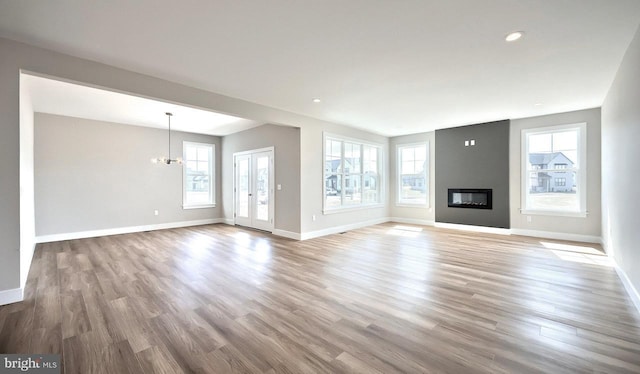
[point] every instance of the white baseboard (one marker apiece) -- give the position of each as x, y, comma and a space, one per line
412, 221
558, 235
125, 230
11, 296
343, 228
228, 221
488, 230
287, 234
631, 290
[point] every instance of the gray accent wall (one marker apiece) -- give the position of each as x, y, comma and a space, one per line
484, 165
93, 175
286, 143
621, 166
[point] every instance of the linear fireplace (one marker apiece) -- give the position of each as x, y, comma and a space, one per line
470, 198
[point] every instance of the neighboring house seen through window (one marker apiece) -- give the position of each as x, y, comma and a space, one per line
198, 177
413, 174
554, 174
352, 173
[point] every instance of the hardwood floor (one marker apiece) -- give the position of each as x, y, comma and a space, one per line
384, 299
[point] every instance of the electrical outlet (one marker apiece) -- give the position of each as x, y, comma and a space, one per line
313, 217
529, 219
156, 213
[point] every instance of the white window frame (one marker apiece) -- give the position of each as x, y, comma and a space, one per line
581, 171
381, 180
212, 179
408, 203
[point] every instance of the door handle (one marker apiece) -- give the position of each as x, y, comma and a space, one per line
250, 195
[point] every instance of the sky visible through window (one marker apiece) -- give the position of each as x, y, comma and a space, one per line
564, 141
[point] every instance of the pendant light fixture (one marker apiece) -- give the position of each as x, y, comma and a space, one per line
167, 160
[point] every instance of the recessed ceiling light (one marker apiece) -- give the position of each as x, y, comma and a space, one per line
512, 37
537, 104
316, 100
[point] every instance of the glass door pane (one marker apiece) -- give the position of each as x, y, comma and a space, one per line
254, 200
262, 200
242, 187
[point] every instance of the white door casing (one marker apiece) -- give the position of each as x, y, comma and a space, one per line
254, 188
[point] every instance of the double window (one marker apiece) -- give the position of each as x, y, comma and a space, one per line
198, 178
352, 173
413, 174
553, 170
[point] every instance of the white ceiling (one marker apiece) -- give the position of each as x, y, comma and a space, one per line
63, 98
393, 67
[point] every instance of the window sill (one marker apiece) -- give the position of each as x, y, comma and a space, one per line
199, 206
349, 208
410, 205
554, 213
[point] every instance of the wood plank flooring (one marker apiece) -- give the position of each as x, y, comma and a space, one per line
383, 299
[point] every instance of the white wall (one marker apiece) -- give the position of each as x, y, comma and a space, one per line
286, 143
311, 142
621, 167
27, 209
94, 175
38, 61
424, 215
588, 228
17, 56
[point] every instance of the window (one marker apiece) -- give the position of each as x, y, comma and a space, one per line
554, 173
352, 173
198, 176
413, 168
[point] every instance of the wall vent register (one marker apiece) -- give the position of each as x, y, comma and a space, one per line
470, 198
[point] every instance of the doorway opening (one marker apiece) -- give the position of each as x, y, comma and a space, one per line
253, 189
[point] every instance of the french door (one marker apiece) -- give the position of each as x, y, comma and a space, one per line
253, 189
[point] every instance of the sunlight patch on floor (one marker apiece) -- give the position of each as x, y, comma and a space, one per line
573, 248
199, 247
242, 237
253, 251
579, 253
408, 231
584, 258
262, 251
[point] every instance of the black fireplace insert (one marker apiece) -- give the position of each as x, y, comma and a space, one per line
473, 198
